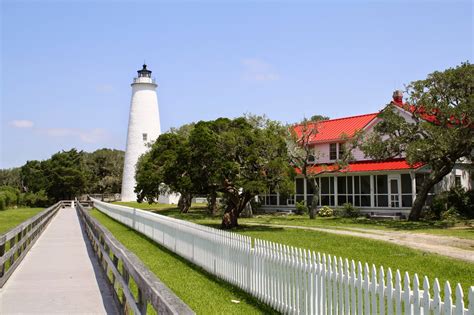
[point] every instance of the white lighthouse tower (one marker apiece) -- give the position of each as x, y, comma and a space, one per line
143, 128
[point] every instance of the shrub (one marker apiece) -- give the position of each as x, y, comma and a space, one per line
38, 199
450, 215
301, 208
326, 212
349, 211
438, 206
454, 200
462, 201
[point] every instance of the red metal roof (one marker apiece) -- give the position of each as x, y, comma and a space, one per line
364, 166
334, 129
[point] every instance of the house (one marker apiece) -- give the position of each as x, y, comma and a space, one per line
373, 186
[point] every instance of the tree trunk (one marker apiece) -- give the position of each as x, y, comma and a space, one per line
314, 203
184, 202
230, 218
434, 178
212, 203
236, 204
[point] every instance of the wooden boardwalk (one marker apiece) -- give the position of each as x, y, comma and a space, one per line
60, 275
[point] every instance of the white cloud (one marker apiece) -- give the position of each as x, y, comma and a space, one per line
104, 88
22, 123
88, 136
259, 70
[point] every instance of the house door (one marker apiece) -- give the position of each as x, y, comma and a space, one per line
394, 191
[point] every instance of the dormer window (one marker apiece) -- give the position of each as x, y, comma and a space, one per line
333, 151
341, 151
336, 151
145, 137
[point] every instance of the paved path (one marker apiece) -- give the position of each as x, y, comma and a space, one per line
59, 275
442, 245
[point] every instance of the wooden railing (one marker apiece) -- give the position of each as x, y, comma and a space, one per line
14, 244
121, 266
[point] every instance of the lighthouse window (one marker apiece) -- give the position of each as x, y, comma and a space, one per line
145, 137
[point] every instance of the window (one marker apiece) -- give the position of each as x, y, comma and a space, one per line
457, 181
299, 189
327, 191
310, 190
333, 151
344, 190
341, 150
381, 191
145, 137
407, 198
362, 191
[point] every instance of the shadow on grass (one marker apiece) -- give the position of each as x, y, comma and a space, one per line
240, 294
411, 225
248, 228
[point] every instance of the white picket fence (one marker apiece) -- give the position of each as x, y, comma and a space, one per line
294, 280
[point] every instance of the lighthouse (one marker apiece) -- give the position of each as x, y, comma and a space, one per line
143, 128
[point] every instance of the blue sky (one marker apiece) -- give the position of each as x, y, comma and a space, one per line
66, 68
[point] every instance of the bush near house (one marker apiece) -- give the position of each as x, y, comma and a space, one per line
452, 204
349, 211
325, 212
301, 208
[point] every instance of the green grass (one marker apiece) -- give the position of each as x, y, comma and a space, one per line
464, 229
204, 293
12, 217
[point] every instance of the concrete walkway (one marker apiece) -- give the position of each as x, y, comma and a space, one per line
443, 245
59, 275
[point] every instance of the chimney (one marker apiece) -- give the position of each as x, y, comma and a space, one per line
398, 97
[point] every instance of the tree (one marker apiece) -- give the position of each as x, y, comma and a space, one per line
241, 160
318, 118
104, 169
65, 175
303, 155
166, 169
33, 176
11, 177
441, 131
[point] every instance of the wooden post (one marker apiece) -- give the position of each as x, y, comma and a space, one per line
2, 252
142, 303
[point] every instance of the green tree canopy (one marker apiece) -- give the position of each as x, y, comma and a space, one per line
166, 169
238, 158
65, 175
104, 170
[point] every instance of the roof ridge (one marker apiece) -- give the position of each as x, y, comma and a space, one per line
349, 117
336, 119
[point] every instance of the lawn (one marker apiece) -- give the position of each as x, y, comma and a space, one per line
12, 217
360, 249
204, 293
464, 229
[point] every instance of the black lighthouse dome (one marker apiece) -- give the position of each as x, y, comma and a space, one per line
144, 72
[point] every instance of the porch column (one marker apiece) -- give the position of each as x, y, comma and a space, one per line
413, 186
372, 191
335, 191
278, 198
